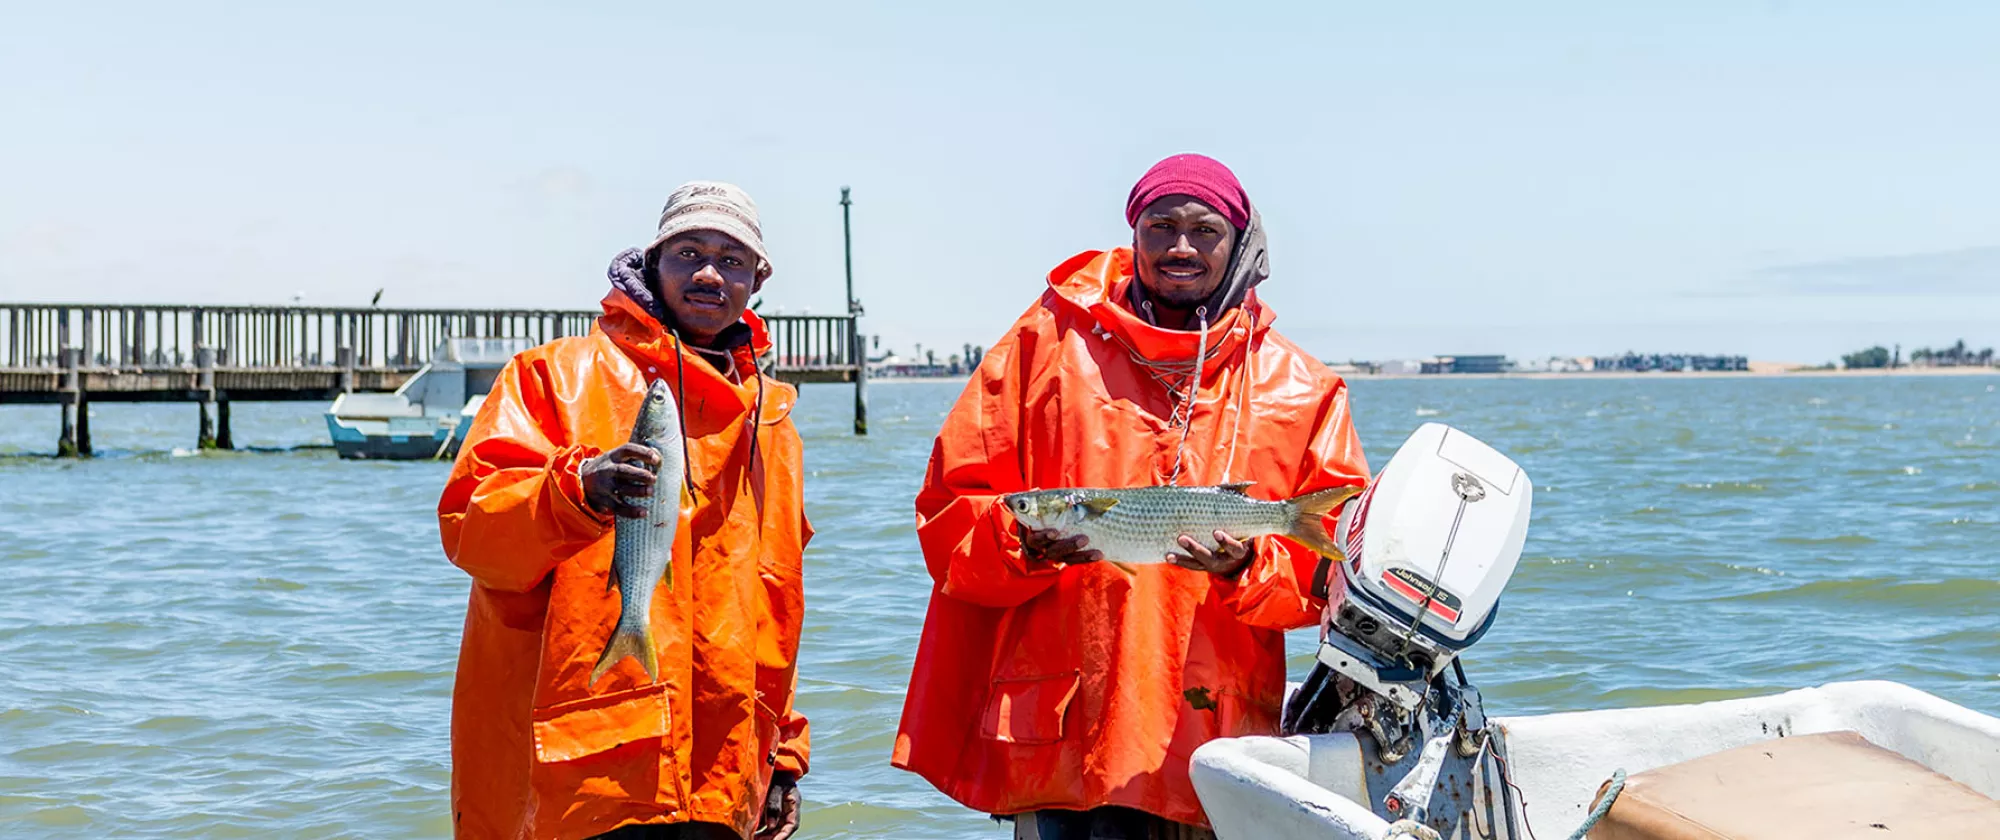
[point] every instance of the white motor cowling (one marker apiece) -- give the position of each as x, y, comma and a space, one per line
1437, 535
1430, 545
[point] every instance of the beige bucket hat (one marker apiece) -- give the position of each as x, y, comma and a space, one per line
717, 206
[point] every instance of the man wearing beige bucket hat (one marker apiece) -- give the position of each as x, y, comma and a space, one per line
713, 748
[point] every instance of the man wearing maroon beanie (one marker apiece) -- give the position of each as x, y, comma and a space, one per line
1065, 693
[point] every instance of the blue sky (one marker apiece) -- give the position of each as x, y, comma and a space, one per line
1783, 180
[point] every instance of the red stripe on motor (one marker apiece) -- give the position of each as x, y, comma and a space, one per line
1403, 587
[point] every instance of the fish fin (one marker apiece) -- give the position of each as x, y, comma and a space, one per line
1308, 524
628, 642
649, 659
1237, 487
1099, 505
1129, 569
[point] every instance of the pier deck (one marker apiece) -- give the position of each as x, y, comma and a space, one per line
75, 354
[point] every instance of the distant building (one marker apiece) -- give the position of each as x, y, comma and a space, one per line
1670, 362
889, 365
1480, 364
1400, 367
1467, 364
1552, 364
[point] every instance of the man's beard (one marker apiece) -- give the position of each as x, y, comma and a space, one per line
1178, 299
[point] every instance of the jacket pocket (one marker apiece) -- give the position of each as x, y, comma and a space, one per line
577, 728
1028, 710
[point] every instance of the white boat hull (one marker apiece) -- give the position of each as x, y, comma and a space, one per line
1312, 786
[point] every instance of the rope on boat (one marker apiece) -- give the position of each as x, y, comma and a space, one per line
1604, 803
448, 436
1410, 830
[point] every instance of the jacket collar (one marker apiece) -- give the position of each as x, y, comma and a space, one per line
627, 323
1097, 283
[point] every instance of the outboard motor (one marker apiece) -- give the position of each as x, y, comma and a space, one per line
1430, 545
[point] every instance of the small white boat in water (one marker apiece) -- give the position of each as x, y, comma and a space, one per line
430, 415
1315, 786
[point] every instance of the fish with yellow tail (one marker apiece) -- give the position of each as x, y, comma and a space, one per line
1144, 524
642, 552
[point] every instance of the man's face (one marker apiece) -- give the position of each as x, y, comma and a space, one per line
1181, 249
706, 279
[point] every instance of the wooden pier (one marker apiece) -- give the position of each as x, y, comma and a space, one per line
75, 354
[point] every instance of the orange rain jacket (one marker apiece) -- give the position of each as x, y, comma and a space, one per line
535, 751
1040, 687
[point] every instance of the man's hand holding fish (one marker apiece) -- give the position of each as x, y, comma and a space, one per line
612, 480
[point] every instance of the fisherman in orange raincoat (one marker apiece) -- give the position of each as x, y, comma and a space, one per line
1067, 693
714, 748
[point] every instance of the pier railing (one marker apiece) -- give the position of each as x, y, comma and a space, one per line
50, 337
812, 343
153, 337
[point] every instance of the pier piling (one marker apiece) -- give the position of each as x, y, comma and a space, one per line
81, 447
204, 363
74, 439
223, 439
204, 437
66, 441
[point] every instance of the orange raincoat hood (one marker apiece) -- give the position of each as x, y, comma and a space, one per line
1041, 687
536, 750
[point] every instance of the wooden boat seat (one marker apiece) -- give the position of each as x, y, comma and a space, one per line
1832, 786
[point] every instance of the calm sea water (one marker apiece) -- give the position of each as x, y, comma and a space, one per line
261, 644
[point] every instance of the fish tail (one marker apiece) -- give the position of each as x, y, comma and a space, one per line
626, 641
1309, 523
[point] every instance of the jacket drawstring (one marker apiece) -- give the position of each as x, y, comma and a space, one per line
1236, 422
1194, 393
680, 402
756, 421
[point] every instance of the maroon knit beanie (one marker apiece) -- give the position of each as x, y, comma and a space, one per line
1202, 178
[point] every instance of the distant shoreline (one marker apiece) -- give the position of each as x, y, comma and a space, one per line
1601, 374
1691, 374
883, 380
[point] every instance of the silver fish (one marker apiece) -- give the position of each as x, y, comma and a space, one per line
1144, 524
642, 549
